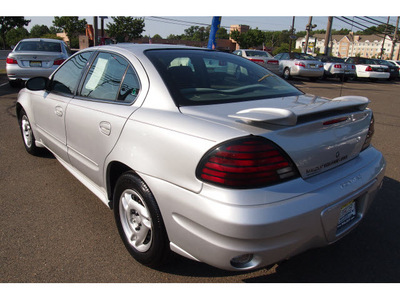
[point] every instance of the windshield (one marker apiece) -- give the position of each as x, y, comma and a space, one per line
199, 77
38, 46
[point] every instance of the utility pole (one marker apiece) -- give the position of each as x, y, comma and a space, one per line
395, 40
308, 28
291, 35
328, 35
384, 38
95, 31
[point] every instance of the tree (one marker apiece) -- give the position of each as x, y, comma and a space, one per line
38, 31
15, 35
249, 39
72, 27
8, 23
125, 29
197, 33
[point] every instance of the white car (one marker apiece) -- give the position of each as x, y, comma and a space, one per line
397, 63
367, 68
262, 58
205, 153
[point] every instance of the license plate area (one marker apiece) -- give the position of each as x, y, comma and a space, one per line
348, 213
37, 64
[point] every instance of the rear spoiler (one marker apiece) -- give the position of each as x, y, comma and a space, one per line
289, 116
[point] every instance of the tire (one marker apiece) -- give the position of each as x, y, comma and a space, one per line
139, 221
27, 134
286, 74
14, 83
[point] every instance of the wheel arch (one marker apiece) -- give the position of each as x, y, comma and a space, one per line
114, 170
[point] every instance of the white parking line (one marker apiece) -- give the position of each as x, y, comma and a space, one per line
3, 84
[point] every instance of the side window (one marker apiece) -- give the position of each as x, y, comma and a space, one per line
285, 56
130, 87
104, 78
67, 77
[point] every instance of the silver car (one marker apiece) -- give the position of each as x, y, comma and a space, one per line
235, 168
35, 57
335, 67
262, 58
299, 64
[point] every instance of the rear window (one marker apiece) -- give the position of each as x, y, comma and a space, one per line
39, 46
199, 77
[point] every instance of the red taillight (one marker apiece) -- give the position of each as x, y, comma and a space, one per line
11, 61
300, 64
257, 60
337, 66
368, 69
371, 131
58, 62
353, 67
273, 62
249, 162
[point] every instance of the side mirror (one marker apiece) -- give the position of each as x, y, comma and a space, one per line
37, 83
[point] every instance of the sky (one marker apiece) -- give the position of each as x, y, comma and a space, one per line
174, 16
166, 25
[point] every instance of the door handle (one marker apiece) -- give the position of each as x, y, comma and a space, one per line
58, 110
105, 127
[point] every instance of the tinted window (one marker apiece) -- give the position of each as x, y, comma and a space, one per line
130, 87
38, 46
209, 77
67, 77
104, 78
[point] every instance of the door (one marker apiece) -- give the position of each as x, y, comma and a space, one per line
50, 108
96, 118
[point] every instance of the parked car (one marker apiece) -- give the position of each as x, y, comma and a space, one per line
299, 64
393, 69
237, 163
35, 57
335, 67
367, 68
396, 63
263, 58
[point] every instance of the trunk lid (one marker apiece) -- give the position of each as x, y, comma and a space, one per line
317, 133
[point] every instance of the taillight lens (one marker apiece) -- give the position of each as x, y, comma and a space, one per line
368, 69
58, 62
300, 64
245, 163
273, 62
257, 60
371, 131
11, 61
337, 66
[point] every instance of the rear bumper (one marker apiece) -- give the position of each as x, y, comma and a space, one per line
218, 225
299, 71
14, 72
376, 75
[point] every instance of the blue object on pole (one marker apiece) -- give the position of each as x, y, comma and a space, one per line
212, 44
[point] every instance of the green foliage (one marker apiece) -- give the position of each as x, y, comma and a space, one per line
125, 29
72, 27
8, 23
15, 35
38, 31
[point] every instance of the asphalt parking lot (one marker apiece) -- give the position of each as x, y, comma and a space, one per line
54, 230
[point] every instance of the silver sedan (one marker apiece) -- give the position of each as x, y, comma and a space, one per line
35, 57
204, 153
299, 64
